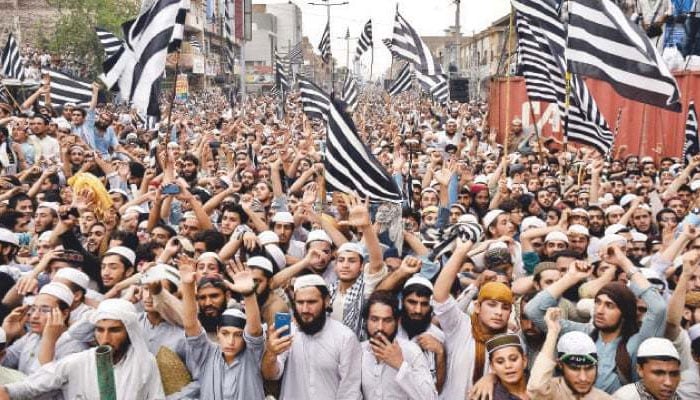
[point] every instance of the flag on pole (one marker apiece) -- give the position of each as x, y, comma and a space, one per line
350, 92
3, 93
387, 43
541, 44
692, 145
325, 46
365, 41
407, 44
228, 32
314, 101
66, 89
604, 44
110, 42
402, 82
139, 65
437, 86
195, 43
281, 81
349, 164
12, 65
296, 55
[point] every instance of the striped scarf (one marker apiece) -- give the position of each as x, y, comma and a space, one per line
352, 305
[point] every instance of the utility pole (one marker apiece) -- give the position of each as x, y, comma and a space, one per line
328, 5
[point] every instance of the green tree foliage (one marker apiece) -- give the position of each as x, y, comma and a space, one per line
74, 30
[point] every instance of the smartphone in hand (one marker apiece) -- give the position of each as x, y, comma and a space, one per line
281, 320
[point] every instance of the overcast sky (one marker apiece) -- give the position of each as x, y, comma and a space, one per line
428, 17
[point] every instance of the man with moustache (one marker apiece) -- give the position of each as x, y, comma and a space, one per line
415, 325
334, 371
392, 367
95, 236
211, 301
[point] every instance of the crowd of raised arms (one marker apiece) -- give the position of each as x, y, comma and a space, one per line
208, 254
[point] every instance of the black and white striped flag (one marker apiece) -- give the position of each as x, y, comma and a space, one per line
437, 86
139, 65
281, 81
314, 101
350, 92
692, 144
296, 54
349, 164
66, 89
3, 93
541, 44
604, 44
407, 44
365, 41
402, 82
228, 32
325, 45
387, 43
195, 43
12, 65
110, 42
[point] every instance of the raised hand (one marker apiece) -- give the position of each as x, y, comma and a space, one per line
358, 212
551, 318
243, 283
55, 324
387, 352
186, 266
410, 265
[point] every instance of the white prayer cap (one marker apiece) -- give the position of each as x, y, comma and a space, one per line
695, 185
614, 229
234, 312
351, 246
318, 235
491, 216
639, 237
580, 211
577, 343
614, 208
260, 262
654, 347
609, 240
694, 332
76, 276
308, 281
6, 236
161, 272
577, 229
49, 204
120, 191
481, 179
417, 279
189, 215
274, 251
59, 291
556, 236
531, 222
44, 237
209, 254
627, 199
467, 218
133, 209
3, 336
283, 217
124, 252
268, 237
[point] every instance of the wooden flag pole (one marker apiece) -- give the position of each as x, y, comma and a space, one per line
510, 50
14, 101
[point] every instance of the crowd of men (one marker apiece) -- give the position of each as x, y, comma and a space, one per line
189, 247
